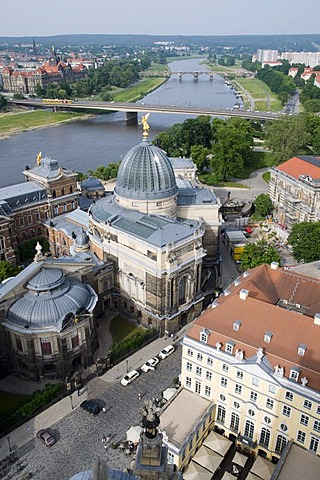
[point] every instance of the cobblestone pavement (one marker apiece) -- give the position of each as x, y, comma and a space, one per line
79, 434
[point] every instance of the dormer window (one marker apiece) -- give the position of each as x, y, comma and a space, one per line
302, 349
229, 346
204, 335
236, 325
267, 337
294, 373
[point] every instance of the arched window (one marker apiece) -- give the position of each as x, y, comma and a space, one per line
280, 444
183, 291
235, 420
71, 189
62, 191
221, 414
264, 437
54, 194
249, 429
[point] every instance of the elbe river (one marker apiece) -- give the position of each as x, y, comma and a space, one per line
87, 144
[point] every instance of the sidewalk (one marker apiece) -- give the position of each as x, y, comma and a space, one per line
22, 435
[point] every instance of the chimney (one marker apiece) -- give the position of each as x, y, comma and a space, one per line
274, 265
243, 294
316, 318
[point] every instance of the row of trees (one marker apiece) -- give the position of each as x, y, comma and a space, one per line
278, 82
103, 172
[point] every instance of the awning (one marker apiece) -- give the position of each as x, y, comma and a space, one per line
239, 459
196, 472
207, 458
133, 434
217, 443
262, 468
228, 476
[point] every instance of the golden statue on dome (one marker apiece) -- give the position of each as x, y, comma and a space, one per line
39, 156
145, 125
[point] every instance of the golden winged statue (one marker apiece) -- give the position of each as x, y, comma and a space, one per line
145, 125
39, 156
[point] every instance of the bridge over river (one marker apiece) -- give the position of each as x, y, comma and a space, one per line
131, 110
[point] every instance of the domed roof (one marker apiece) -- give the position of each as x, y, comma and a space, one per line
92, 183
50, 297
145, 173
82, 239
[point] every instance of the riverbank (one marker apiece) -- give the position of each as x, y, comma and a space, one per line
13, 123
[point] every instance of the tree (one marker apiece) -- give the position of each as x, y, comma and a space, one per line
263, 205
8, 270
255, 254
199, 155
3, 102
304, 239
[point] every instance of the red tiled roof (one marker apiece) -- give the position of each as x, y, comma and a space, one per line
297, 166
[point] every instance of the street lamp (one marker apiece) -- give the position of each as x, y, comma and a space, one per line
127, 366
71, 402
10, 448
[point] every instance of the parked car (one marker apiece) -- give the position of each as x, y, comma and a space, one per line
166, 352
46, 438
129, 377
91, 406
150, 364
248, 230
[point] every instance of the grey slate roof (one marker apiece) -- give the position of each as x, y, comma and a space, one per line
92, 183
145, 173
49, 168
156, 230
178, 163
15, 196
191, 194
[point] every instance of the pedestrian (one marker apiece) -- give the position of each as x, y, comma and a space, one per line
103, 439
104, 409
79, 392
139, 396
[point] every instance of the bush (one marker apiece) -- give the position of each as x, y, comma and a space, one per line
135, 341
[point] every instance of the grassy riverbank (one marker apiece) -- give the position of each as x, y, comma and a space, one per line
259, 92
14, 123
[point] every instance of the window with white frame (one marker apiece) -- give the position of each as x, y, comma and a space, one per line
229, 347
280, 444
208, 375
267, 337
269, 403
190, 352
239, 374
249, 429
289, 396
301, 436
188, 382
223, 382
302, 349
207, 391
271, 388
253, 396
225, 367
210, 361
238, 389
255, 381
189, 366
221, 414
198, 371
316, 425
200, 357
264, 437
204, 337
304, 420
307, 404
294, 374
170, 457
318, 409
314, 443
197, 387
286, 411
235, 421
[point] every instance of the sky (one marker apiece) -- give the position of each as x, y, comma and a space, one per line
166, 17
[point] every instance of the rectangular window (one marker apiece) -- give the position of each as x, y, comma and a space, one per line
271, 388
316, 425
188, 382
189, 366
46, 346
224, 382
207, 391
198, 371
301, 436
198, 387
21, 221
318, 410
255, 382
225, 367
204, 337
286, 411
269, 403
210, 361
199, 357
314, 443
294, 375
253, 396
229, 348
170, 457
19, 343
75, 341
307, 404
190, 352
239, 374
304, 420
289, 396
238, 389
208, 375
29, 219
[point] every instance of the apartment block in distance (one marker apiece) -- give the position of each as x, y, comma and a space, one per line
254, 353
294, 189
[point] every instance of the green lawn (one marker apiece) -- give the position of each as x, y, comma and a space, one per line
121, 328
9, 403
158, 67
15, 123
266, 177
139, 90
258, 160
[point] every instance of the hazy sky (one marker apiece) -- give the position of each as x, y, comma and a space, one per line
173, 17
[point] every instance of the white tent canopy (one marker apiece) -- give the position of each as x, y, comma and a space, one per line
217, 443
228, 476
262, 468
133, 434
207, 459
239, 459
168, 393
196, 472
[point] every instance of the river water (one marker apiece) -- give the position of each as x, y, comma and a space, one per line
106, 138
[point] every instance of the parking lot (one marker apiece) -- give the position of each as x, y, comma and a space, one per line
79, 434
